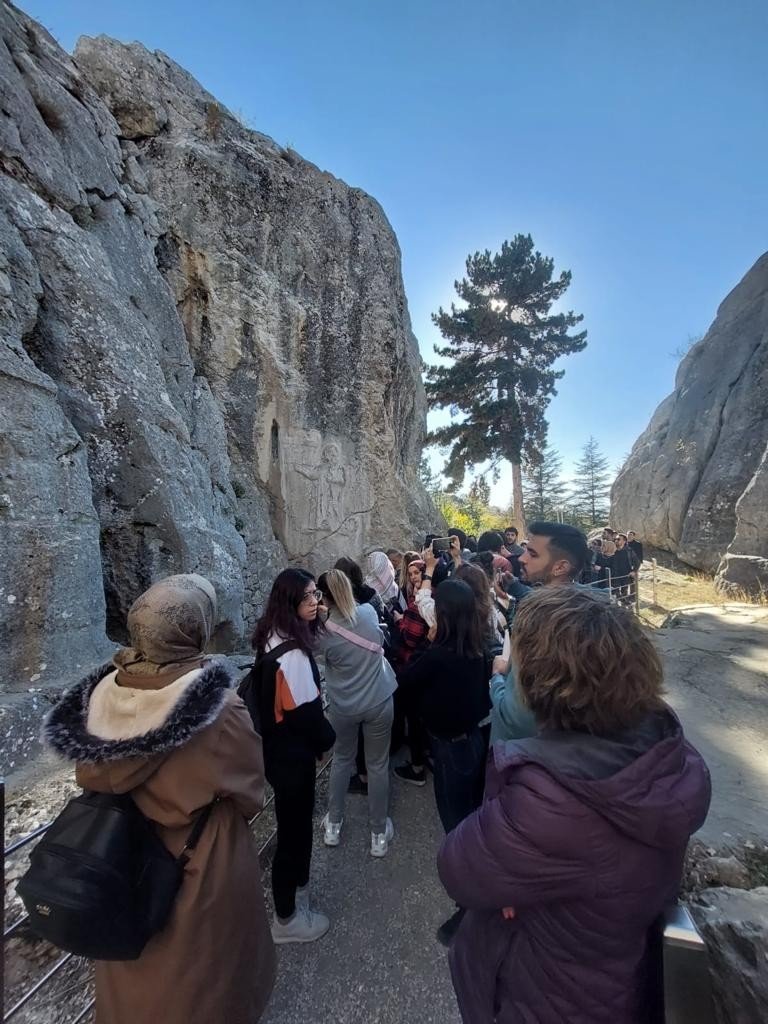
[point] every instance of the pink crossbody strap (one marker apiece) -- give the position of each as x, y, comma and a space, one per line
353, 638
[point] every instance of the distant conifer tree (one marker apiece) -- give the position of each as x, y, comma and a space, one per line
502, 343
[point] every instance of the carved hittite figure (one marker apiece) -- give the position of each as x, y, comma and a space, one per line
325, 508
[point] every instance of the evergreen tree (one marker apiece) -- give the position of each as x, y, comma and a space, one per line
591, 486
502, 343
543, 488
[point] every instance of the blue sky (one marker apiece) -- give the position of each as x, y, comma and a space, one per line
628, 138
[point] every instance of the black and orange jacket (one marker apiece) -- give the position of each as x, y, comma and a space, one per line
286, 705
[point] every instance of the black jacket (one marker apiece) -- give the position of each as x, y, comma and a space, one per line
450, 692
637, 547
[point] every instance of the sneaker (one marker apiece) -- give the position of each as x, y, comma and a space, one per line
356, 785
380, 840
332, 829
305, 926
448, 929
408, 773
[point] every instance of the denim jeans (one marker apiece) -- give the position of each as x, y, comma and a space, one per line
459, 776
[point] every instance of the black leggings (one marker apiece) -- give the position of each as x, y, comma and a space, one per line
294, 786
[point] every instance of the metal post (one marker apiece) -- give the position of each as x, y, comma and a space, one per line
610, 588
637, 591
655, 601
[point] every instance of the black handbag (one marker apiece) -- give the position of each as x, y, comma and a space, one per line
101, 882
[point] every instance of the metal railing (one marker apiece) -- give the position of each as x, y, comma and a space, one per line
61, 963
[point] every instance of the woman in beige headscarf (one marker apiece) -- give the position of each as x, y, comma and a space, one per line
163, 723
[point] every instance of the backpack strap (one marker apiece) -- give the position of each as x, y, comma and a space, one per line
197, 830
276, 652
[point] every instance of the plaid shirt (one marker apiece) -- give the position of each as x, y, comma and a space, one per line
413, 631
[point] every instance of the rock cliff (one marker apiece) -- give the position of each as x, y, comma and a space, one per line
206, 359
696, 481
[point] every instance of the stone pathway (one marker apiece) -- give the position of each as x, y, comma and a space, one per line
380, 963
716, 664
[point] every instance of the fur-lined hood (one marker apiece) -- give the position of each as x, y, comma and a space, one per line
190, 707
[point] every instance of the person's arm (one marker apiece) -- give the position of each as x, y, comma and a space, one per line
297, 701
425, 603
512, 719
515, 588
309, 720
238, 770
522, 848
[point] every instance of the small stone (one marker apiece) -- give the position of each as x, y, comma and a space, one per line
726, 871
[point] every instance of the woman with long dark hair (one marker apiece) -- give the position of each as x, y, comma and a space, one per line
449, 686
296, 734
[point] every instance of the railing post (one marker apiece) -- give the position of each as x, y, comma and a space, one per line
637, 591
653, 563
610, 588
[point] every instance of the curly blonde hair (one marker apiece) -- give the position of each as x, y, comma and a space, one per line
583, 663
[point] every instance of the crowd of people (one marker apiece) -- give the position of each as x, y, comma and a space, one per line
506, 671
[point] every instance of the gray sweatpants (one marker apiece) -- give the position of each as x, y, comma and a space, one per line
377, 728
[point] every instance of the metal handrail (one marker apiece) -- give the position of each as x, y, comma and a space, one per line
36, 987
27, 839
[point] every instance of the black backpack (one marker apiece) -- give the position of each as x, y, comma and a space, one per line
252, 691
101, 882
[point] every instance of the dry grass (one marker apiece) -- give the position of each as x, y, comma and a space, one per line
678, 586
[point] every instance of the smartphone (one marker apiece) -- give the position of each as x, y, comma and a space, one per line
440, 544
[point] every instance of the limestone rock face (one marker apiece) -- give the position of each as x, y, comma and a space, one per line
734, 926
206, 361
696, 481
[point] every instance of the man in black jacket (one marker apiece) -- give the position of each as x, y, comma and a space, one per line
636, 546
624, 566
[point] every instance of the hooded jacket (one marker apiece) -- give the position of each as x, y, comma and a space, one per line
584, 837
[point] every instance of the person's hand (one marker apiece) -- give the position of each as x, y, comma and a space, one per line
432, 633
507, 913
429, 558
397, 616
500, 665
322, 610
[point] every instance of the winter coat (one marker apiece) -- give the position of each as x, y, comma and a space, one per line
174, 749
622, 563
584, 837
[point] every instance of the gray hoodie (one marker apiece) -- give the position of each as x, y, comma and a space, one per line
356, 679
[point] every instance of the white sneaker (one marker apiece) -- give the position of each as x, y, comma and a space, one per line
380, 840
305, 926
332, 830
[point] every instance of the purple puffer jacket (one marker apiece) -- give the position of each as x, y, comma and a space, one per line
584, 837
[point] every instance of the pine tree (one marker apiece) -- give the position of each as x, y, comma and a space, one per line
501, 346
543, 488
591, 485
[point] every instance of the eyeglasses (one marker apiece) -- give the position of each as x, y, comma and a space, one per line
312, 595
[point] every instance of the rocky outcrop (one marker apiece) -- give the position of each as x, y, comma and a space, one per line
696, 481
206, 359
734, 926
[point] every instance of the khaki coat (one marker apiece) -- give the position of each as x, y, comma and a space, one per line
214, 963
